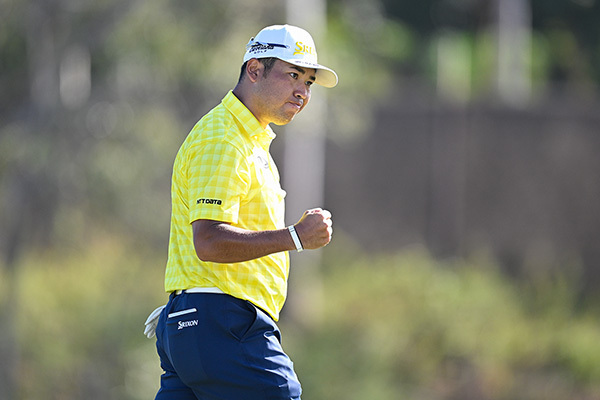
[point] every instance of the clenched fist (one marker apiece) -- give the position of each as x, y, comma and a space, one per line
315, 228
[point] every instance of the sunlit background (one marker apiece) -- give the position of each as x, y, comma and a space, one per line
459, 156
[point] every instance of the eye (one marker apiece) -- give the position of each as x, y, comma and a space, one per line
309, 83
294, 75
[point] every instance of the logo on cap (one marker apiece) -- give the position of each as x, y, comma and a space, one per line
302, 48
258, 47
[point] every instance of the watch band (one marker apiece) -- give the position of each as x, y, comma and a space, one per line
295, 238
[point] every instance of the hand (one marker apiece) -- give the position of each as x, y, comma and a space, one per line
315, 228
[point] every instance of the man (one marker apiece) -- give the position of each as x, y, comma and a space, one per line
228, 262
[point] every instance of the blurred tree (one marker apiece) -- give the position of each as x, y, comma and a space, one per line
570, 27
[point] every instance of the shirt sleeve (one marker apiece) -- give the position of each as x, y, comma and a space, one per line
218, 181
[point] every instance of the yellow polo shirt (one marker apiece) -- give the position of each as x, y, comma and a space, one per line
224, 172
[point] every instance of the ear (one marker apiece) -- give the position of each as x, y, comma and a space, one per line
254, 69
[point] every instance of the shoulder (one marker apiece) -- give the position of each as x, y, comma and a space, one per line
218, 128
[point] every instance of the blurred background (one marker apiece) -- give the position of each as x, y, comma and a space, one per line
458, 155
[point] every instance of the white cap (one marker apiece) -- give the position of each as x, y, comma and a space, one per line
290, 44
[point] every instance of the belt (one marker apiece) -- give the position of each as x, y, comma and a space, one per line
200, 290
214, 290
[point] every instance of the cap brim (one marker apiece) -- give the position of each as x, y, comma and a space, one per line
326, 77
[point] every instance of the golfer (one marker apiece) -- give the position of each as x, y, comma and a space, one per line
228, 262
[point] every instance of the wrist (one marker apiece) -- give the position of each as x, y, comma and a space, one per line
295, 238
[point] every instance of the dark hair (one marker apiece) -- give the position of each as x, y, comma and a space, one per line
267, 62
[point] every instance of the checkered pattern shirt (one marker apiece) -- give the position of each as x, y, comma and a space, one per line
224, 172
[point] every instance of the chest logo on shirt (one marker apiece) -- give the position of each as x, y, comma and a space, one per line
262, 161
261, 158
209, 201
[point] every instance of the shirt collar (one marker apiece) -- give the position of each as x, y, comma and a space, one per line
247, 119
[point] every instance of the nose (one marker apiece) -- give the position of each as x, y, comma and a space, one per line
302, 92
303, 95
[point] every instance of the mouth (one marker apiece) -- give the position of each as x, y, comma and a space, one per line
296, 104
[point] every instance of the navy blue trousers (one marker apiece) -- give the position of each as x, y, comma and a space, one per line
218, 347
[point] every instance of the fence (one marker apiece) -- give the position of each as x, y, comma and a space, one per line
521, 184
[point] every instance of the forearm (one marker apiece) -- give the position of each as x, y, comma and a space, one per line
222, 243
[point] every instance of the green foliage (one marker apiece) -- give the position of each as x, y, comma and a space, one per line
80, 322
400, 326
409, 327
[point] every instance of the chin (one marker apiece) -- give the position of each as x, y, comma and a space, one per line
282, 122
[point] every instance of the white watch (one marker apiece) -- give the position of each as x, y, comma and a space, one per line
295, 238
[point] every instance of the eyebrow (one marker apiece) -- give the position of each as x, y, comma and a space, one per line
297, 68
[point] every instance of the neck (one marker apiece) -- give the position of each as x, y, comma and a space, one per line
241, 92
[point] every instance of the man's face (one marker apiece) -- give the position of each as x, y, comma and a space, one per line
282, 93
